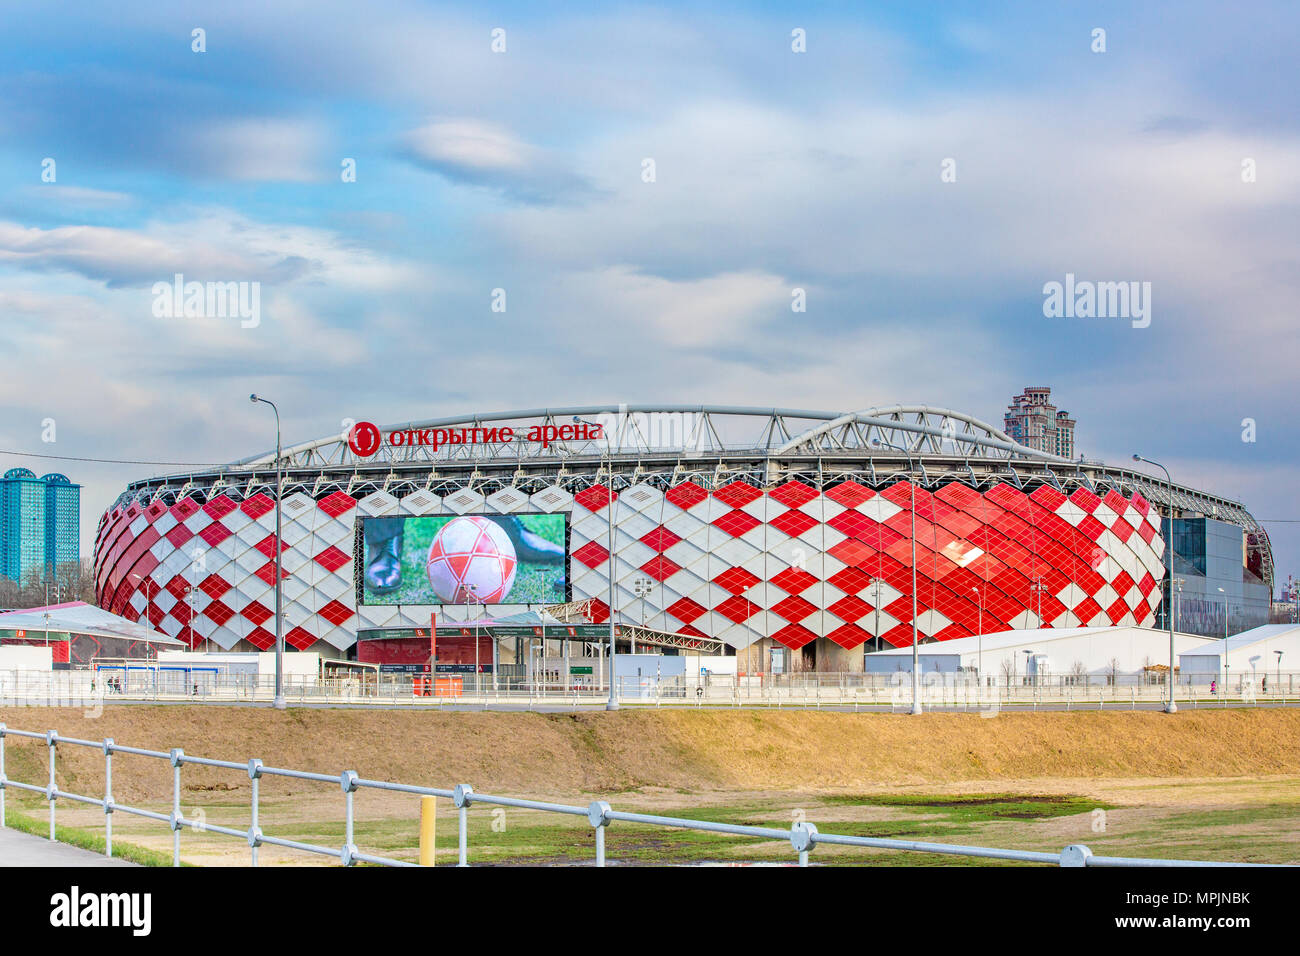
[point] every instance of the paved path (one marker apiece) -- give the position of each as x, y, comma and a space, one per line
23, 849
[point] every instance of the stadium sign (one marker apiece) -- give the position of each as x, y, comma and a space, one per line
365, 438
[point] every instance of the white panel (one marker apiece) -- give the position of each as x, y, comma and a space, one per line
463, 501
379, 503
551, 500
641, 497
421, 502
507, 501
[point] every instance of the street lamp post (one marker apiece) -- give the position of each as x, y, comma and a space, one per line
916, 654
148, 645
1039, 588
1171, 707
641, 587
1279, 670
1225, 635
608, 457
279, 702
979, 660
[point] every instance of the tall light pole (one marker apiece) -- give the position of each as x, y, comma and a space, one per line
979, 660
1039, 588
1171, 707
148, 645
916, 654
608, 457
641, 587
279, 702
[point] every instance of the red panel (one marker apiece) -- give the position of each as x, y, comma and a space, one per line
335, 504
737, 609
850, 608
261, 638
686, 495
792, 494
793, 522
852, 523
737, 494
736, 523
256, 612
850, 580
260, 504
594, 498
660, 567
685, 610
793, 636
660, 539
184, 508
591, 554
852, 552
849, 636
215, 533
850, 494
300, 638
736, 580
793, 580
214, 586
218, 612
219, 507
336, 612
793, 608
331, 559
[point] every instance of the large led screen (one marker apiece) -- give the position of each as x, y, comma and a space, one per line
464, 559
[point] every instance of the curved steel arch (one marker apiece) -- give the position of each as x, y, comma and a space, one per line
695, 429
855, 430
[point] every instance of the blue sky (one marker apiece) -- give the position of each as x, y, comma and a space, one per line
774, 170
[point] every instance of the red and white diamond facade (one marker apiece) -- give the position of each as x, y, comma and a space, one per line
700, 551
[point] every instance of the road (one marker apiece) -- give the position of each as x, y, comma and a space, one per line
23, 849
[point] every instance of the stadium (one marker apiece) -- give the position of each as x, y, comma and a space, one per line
783, 536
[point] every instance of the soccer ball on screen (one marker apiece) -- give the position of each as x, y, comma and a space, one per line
472, 560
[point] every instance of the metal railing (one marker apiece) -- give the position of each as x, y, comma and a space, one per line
802, 836
81, 688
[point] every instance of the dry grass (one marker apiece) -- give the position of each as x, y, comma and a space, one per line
1214, 784
704, 750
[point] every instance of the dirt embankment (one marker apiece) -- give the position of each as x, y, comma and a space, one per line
705, 750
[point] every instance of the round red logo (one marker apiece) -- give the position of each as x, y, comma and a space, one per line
364, 439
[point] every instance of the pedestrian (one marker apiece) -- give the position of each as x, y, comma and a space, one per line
1214, 688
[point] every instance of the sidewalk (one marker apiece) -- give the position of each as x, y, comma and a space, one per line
23, 849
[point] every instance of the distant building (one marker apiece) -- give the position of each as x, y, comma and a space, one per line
1034, 421
40, 523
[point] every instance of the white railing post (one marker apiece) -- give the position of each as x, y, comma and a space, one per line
254, 832
803, 837
108, 797
52, 792
177, 758
348, 781
598, 816
463, 796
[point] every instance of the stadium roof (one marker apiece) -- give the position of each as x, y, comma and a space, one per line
78, 617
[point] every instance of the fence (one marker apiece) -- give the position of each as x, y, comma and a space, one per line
960, 691
802, 836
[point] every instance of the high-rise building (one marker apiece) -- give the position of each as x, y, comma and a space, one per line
1033, 421
40, 523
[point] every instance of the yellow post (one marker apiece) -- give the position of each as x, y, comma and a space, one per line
428, 827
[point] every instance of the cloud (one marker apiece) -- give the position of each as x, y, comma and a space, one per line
261, 149
484, 154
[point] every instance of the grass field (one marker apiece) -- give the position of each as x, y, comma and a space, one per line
534, 583
1219, 786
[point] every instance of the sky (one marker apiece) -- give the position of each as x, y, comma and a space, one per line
921, 171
